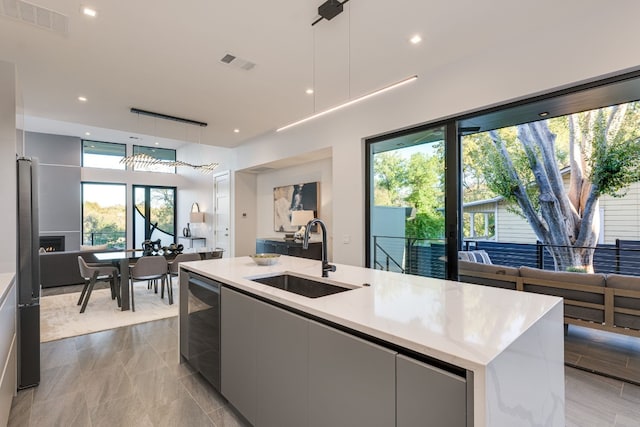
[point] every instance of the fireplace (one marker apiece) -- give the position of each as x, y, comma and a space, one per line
52, 243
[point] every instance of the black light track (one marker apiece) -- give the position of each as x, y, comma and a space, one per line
167, 117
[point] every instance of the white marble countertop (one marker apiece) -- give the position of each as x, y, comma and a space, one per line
6, 279
462, 324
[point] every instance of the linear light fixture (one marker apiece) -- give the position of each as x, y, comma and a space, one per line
147, 161
167, 117
351, 102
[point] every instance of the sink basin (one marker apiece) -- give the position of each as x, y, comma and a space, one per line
301, 285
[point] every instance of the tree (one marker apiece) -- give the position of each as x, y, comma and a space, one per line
604, 150
389, 178
417, 182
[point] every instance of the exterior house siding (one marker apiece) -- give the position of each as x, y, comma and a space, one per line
621, 218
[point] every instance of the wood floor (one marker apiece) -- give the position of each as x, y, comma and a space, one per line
131, 376
614, 355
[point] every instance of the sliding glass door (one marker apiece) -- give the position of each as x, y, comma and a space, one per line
154, 214
406, 202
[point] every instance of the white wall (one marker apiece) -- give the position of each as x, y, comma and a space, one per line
580, 43
8, 98
319, 171
192, 186
244, 214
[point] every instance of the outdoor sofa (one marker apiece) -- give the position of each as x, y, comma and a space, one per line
608, 302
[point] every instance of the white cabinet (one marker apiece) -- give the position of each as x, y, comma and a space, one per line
425, 392
264, 361
351, 381
8, 364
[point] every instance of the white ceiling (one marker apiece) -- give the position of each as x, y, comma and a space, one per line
164, 57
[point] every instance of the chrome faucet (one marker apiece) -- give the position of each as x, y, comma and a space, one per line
326, 267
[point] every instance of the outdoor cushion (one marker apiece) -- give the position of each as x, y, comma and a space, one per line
621, 281
466, 270
584, 313
475, 256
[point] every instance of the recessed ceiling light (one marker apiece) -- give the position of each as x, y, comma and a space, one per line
544, 114
87, 133
157, 143
236, 130
415, 39
89, 11
309, 91
82, 99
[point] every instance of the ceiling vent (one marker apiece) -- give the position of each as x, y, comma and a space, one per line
235, 62
35, 15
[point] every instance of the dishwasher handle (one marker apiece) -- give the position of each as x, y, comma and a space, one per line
206, 284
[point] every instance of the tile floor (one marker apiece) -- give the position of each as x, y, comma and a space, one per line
131, 376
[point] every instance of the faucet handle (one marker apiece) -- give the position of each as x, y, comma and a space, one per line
328, 267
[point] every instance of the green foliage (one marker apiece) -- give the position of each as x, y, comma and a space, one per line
426, 225
614, 161
576, 269
389, 178
418, 182
107, 223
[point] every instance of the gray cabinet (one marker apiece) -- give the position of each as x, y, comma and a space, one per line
425, 392
283, 370
282, 361
264, 361
238, 352
351, 381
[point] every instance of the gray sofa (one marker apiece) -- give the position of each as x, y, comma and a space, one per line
61, 268
609, 302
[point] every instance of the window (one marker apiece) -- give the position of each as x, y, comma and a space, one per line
164, 154
406, 198
479, 225
104, 214
551, 182
105, 155
154, 214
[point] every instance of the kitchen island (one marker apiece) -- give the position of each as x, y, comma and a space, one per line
398, 346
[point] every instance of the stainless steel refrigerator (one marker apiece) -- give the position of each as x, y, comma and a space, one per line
28, 274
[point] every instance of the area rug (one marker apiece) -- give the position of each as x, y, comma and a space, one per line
60, 316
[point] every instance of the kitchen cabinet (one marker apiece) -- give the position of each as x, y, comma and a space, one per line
289, 247
280, 369
425, 392
351, 381
238, 352
282, 365
8, 345
264, 361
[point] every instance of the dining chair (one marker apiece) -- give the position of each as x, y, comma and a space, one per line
150, 268
174, 266
93, 273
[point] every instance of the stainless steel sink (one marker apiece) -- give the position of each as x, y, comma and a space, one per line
301, 285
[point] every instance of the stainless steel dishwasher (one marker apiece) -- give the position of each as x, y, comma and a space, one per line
200, 324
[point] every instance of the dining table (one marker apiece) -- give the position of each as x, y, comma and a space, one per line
122, 260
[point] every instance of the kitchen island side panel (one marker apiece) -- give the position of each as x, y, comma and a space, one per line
524, 385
